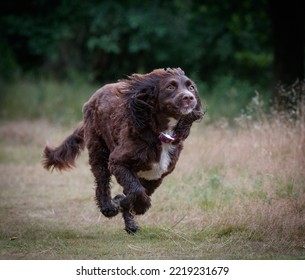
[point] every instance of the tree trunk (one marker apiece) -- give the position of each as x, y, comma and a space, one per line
288, 26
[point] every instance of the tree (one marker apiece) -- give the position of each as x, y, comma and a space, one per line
107, 39
288, 31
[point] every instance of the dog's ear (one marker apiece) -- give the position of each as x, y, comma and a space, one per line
198, 112
141, 105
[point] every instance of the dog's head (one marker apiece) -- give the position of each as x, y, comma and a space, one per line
163, 91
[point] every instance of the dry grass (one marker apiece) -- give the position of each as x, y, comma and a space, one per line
237, 193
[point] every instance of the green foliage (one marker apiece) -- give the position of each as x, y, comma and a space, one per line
108, 39
8, 64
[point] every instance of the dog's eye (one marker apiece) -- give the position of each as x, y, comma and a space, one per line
189, 85
191, 88
171, 87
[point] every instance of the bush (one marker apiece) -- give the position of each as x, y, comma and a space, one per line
228, 97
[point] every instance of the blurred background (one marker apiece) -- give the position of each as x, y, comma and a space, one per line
55, 54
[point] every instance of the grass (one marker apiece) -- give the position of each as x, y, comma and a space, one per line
237, 193
59, 102
62, 102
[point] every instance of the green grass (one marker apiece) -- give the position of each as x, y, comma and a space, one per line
151, 243
224, 201
61, 102
57, 101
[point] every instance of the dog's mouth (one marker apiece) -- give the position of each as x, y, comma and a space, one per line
178, 110
186, 103
180, 106
186, 109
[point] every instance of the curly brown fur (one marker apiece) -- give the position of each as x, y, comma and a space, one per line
133, 129
63, 157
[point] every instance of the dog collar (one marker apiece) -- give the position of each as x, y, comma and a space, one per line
166, 138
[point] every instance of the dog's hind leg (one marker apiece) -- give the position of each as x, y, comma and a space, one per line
98, 159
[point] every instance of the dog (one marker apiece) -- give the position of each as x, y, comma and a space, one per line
133, 129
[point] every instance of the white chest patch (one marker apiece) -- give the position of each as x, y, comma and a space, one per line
159, 168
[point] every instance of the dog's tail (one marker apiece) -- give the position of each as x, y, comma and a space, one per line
63, 157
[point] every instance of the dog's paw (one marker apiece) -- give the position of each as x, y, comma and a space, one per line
132, 229
137, 202
117, 201
110, 210
130, 224
141, 203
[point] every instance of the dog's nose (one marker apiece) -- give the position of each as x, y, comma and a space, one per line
188, 97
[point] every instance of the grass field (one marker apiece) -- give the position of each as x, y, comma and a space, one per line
237, 193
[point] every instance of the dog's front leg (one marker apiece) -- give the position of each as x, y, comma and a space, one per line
130, 224
136, 200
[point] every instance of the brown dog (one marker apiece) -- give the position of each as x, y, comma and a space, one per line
133, 129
